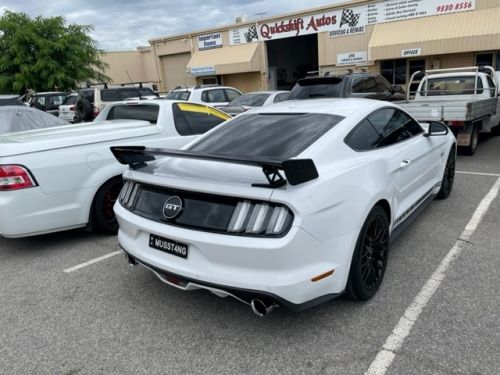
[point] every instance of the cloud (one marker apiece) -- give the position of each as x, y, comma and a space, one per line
128, 24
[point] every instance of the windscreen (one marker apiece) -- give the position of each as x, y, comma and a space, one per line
275, 136
145, 112
317, 87
453, 86
70, 99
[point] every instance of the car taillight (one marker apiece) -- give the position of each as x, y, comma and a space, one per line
14, 177
96, 111
260, 219
72, 108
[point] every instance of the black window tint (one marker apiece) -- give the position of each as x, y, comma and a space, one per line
146, 91
87, 95
390, 124
317, 87
191, 122
251, 100
134, 112
231, 94
358, 86
178, 95
382, 85
129, 93
213, 96
363, 137
281, 97
275, 135
491, 86
71, 99
110, 96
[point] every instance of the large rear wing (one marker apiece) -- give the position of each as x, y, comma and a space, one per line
429, 73
297, 171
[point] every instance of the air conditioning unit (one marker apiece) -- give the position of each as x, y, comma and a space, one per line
241, 19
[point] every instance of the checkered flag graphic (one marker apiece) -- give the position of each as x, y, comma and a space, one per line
349, 18
251, 35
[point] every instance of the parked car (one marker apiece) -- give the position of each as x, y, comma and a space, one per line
290, 204
352, 85
10, 100
67, 108
57, 179
20, 118
48, 101
254, 99
91, 101
213, 95
466, 99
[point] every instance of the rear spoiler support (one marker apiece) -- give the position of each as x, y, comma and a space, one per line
297, 171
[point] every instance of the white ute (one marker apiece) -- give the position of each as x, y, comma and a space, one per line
66, 177
466, 99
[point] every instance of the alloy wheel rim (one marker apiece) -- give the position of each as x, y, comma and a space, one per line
109, 201
374, 252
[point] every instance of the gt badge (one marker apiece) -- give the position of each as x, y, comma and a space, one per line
172, 207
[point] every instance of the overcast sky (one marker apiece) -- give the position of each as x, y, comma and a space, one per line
127, 24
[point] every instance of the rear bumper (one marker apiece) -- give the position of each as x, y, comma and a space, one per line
280, 269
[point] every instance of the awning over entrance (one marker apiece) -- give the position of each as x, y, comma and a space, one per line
459, 32
226, 60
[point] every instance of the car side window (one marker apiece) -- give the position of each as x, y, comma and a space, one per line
231, 94
213, 96
491, 86
382, 85
391, 125
281, 97
363, 137
359, 86
191, 118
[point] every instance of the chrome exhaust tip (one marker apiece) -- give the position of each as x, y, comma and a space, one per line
260, 308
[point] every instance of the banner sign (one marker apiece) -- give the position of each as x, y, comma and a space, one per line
349, 21
202, 70
210, 41
409, 52
243, 35
352, 58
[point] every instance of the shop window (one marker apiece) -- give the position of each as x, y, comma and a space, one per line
484, 59
497, 65
415, 66
394, 71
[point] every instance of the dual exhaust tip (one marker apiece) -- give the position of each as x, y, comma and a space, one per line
261, 308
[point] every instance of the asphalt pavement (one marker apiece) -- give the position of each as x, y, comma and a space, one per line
109, 318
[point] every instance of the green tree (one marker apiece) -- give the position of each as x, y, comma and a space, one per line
46, 54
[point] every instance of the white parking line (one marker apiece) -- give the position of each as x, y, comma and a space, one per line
92, 261
395, 340
479, 173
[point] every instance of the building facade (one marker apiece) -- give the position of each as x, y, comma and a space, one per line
391, 37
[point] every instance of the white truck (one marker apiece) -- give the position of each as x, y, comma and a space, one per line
66, 177
466, 99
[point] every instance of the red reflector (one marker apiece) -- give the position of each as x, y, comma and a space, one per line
72, 108
96, 111
456, 123
14, 177
173, 280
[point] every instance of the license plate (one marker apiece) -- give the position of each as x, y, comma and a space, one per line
168, 246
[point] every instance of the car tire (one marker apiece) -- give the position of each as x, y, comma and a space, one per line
474, 140
84, 110
103, 216
448, 176
370, 256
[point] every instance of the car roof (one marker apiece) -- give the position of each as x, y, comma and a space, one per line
333, 106
51, 93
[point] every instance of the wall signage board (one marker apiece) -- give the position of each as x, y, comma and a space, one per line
210, 41
348, 21
399, 10
243, 35
352, 58
203, 70
409, 52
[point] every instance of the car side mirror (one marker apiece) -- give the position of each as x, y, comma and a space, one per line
436, 128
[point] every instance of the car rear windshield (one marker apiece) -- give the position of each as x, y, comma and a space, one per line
321, 87
178, 95
145, 112
453, 86
276, 135
251, 100
71, 99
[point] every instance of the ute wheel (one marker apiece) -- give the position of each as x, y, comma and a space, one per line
84, 110
370, 257
102, 211
448, 176
474, 140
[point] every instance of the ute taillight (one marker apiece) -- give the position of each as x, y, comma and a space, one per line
15, 177
96, 111
72, 108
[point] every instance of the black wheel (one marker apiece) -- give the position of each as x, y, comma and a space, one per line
474, 140
102, 212
370, 257
448, 176
84, 110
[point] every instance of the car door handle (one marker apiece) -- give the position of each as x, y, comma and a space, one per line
404, 163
